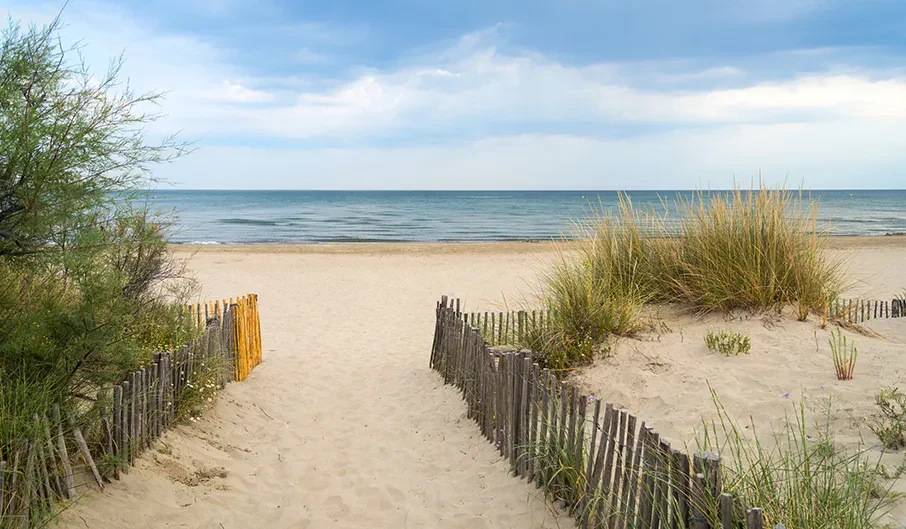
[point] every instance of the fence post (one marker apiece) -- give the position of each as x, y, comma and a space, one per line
726, 511
64, 455
83, 448
699, 502
754, 519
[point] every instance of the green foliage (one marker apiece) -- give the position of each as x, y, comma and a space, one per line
889, 424
88, 289
799, 476
200, 393
844, 355
727, 341
72, 142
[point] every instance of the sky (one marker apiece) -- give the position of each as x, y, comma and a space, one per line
503, 94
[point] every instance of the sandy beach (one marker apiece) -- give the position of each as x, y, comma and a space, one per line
344, 425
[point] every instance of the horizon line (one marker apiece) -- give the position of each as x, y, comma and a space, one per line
515, 190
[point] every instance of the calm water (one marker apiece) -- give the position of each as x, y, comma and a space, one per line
369, 216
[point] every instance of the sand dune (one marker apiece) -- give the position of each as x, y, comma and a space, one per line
344, 425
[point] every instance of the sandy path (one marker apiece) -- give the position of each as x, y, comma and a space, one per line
343, 425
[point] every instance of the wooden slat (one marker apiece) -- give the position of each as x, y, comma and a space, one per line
44, 462
28, 485
618, 450
646, 495
713, 479
68, 481
51, 457
502, 378
754, 519
579, 446
510, 410
628, 483
600, 460
607, 475
571, 433
680, 484
83, 448
564, 414
726, 511
545, 417
698, 502
662, 488
533, 421
634, 504
590, 467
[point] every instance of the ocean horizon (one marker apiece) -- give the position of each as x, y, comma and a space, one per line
322, 216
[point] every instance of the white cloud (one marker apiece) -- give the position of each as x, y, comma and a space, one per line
820, 126
867, 153
231, 92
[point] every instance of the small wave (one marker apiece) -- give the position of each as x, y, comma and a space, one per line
204, 242
253, 222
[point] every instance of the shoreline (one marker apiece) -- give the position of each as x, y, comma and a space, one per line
834, 242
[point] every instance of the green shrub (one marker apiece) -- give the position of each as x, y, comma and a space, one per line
844, 355
889, 424
88, 289
800, 477
727, 342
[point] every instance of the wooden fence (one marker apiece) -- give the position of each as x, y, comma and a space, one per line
611, 470
862, 310
245, 331
67, 454
518, 326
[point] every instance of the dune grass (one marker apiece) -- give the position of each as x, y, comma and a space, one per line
798, 475
754, 249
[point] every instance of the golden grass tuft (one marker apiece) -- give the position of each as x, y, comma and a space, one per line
755, 249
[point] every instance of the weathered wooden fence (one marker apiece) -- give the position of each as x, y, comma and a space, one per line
68, 453
518, 326
862, 310
610, 470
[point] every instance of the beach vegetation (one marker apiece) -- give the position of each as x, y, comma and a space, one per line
747, 249
889, 423
584, 309
844, 355
88, 288
727, 341
797, 474
197, 395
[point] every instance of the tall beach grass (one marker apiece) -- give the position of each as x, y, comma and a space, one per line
753, 249
797, 474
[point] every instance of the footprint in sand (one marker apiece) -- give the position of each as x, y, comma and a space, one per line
335, 507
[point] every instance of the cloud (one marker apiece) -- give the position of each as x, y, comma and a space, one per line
845, 154
486, 86
479, 113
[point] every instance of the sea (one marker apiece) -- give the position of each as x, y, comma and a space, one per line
220, 217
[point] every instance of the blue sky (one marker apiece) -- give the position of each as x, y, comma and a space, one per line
579, 94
